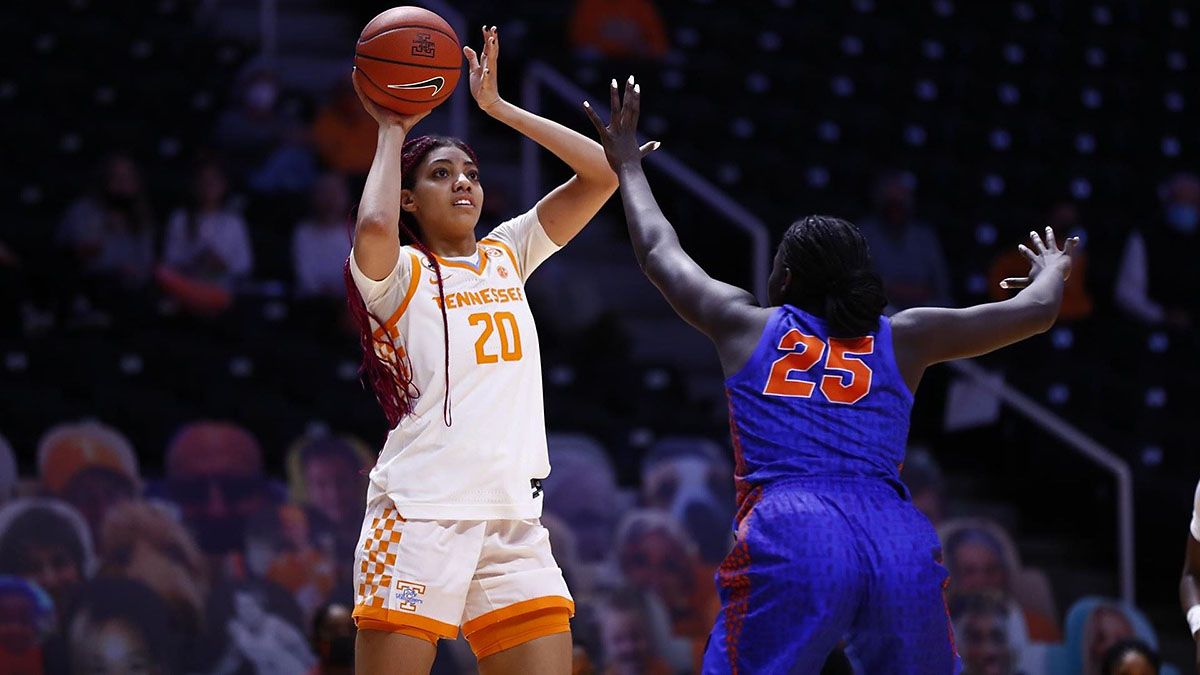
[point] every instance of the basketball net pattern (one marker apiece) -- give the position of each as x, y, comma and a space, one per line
378, 555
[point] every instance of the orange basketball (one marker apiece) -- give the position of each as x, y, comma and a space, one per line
408, 59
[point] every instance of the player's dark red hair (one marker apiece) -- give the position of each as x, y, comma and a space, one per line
392, 382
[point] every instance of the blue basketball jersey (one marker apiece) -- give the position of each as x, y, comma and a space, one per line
810, 405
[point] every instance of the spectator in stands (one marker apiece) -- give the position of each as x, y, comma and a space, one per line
120, 626
1063, 216
583, 491
655, 554
279, 550
618, 29
26, 620
251, 129
980, 557
91, 466
215, 475
333, 640
1131, 657
1095, 625
321, 243
206, 240
627, 636
141, 541
981, 633
688, 477
1150, 287
344, 134
267, 147
8, 472
921, 473
46, 542
1106, 626
905, 251
110, 232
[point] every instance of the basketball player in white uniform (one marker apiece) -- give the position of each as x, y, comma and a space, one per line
1189, 585
452, 538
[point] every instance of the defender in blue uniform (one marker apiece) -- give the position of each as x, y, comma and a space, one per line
829, 547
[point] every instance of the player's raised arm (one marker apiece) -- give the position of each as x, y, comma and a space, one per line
566, 209
927, 335
376, 234
711, 306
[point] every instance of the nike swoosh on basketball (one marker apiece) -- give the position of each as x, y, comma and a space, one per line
436, 82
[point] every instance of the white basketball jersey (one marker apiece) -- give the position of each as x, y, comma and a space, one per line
484, 465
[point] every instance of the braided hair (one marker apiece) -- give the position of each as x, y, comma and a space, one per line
832, 275
392, 381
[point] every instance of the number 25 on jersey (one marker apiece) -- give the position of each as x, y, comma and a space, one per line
806, 351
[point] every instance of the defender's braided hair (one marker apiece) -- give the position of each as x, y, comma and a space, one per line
832, 276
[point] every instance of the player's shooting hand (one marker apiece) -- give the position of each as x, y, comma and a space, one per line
619, 138
483, 69
1043, 256
384, 117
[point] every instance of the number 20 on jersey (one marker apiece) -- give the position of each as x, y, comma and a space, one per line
806, 351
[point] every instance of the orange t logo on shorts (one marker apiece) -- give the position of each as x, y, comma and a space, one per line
409, 595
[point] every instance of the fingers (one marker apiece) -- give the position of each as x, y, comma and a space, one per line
614, 102
491, 46
635, 106
1015, 282
587, 108
625, 107
367, 104
1069, 248
1051, 245
1033, 257
1037, 242
650, 147
472, 58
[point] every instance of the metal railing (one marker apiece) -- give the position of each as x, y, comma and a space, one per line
1082, 444
539, 76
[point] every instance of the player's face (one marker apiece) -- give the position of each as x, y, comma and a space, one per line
446, 197
984, 643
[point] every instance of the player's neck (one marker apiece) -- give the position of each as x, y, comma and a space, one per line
453, 247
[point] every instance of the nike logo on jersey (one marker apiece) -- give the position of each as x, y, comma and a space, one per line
436, 82
433, 280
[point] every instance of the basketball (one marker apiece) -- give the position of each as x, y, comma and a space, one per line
408, 60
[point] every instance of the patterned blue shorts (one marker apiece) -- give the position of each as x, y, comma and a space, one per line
821, 561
